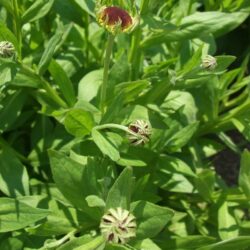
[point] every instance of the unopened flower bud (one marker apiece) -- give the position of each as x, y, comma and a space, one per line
139, 132
209, 62
118, 225
116, 19
7, 49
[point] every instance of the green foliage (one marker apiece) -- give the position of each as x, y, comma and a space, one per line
68, 154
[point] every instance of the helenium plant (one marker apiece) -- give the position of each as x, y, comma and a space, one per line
121, 123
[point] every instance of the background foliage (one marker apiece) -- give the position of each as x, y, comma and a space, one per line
58, 174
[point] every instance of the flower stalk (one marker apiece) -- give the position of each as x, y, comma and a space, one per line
46, 86
138, 132
17, 25
107, 60
55, 244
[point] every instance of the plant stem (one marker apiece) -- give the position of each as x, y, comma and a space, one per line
135, 54
144, 6
60, 241
52, 93
17, 26
106, 72
86, 26
116, 126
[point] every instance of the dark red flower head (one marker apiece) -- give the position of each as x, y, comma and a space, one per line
113, 18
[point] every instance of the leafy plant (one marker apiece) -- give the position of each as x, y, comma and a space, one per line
111, 113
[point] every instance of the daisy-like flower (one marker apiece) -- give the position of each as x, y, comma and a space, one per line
209, 62
116, 19
7, 49
118, 225
139, 132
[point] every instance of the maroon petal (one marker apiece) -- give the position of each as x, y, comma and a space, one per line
114, 15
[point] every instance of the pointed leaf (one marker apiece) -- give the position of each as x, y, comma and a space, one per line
120, 193
244, 177
37, 10
79, 122
106, 146
14, 179
150, 218
241, 242
63, 81
49, 52
15, 215
69, 177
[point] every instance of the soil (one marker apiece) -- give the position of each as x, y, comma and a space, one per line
227, 162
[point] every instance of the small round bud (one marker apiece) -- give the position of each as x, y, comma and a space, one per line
118, 225
116, 19
139, 132
7, 49
209, 62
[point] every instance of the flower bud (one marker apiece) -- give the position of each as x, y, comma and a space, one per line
139, 132
118, 225
7, 49
116, 19
209, 62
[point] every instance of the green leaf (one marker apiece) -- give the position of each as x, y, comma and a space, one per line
105, 145
205, 183
79, 122
174, 182
119, 72
242, 124
131, 90
244, 176
8, 71
241, 242
130, 160
151, 219
183, 100
37, 10
63, 81
119, 194
197, 25
74, 180
14, 179
23, 80
8, 5
182, 137
89, 85
192, 242
206, 96
11, 244
7, 35
116, 247
11, 109
227, 224
49, 52
15, 215
174, 165
85, 242
97, 244
95, 201
147, 244
87, 6
223, 62
61, 220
